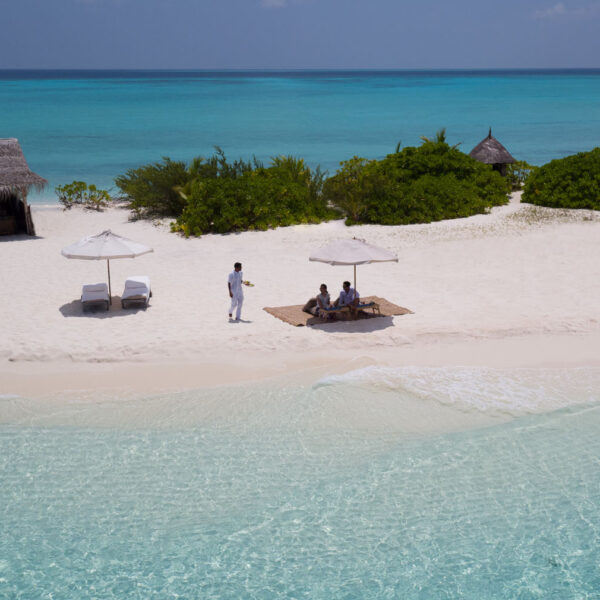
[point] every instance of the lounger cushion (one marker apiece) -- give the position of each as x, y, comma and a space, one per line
137, 281
94, 292
137, 289
94, 296
95, 287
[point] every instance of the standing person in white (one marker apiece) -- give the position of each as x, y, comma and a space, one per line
234, 284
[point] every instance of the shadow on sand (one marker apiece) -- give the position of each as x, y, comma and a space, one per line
356, 326
75, 309
15, 237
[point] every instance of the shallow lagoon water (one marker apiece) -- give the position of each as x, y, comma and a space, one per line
256, 492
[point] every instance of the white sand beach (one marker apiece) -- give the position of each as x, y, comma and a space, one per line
517, 287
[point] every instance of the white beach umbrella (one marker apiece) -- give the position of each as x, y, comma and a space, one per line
105, 246
352, 252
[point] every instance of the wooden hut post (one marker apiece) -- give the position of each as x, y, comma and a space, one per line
28, 219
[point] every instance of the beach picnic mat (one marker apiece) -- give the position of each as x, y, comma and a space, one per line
294, 315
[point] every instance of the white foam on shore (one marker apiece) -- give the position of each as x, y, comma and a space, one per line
373, 401
510, 392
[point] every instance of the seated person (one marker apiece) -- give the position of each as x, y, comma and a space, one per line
323, 303
348, 297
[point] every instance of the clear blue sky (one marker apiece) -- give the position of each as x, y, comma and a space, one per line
296, 34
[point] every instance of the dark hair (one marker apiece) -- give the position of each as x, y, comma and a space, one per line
323, 285
347, 283
237, 265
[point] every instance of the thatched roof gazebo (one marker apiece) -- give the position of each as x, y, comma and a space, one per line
491, 152
16, 179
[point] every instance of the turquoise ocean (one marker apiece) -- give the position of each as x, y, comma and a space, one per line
327, 488
322, 489
94, 125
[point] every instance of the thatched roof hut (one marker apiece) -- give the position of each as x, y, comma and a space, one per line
491, 152
16, 179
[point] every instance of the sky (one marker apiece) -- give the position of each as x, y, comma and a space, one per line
299, 34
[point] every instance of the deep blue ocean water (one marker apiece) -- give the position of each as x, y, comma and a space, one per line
94, 125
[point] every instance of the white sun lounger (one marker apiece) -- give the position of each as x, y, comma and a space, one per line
137, 291
94, 294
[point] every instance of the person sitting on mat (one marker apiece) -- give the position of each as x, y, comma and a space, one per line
348, 297
323, 303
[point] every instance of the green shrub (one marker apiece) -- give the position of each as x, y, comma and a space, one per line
79, 193
518, 172
570, 182
248, 196
152, 190
415, 185
351, 187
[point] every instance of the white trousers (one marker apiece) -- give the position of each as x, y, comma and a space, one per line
236, 301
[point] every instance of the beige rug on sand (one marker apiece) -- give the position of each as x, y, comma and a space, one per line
294, 315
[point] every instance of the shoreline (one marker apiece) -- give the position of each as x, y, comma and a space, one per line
39, 379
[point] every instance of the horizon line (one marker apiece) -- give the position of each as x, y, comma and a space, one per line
299, 69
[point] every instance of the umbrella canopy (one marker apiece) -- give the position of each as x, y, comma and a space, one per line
352, 252
104, 246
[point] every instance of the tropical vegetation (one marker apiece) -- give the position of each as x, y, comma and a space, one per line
431, 182
151, 190
412, 185
518, 172
570, 182
221, 197
79, 193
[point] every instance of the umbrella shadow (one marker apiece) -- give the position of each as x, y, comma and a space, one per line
364, 325
75, 309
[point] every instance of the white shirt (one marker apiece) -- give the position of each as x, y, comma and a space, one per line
235, 282
347, 297
325, 300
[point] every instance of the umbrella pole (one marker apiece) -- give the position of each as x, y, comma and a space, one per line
354, 276
109, 290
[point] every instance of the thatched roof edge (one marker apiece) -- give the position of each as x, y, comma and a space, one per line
490, 151
15, 174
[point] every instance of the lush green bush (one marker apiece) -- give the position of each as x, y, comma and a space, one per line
151, 190
352, 186
415, 185
79, 193
570, 182
518, 172
245, 196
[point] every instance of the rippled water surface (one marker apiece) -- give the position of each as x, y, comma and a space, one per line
94, 125
254, 502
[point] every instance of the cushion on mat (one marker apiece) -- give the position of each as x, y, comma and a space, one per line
309, 305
